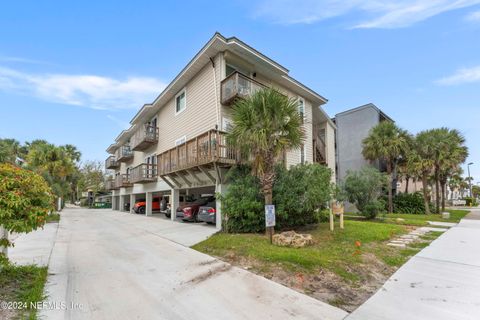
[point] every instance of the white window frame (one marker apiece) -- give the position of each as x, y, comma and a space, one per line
184, 90
180, 141
303, 103
226, 122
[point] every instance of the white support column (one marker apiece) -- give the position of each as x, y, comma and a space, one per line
121, 203
219, 188
174, 203
132, 202
3, 235
113, 202
148, 204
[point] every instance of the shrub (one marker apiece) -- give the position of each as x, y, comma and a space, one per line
364, 188
300, 193
409, 203
243, 203
470, 201
25, 200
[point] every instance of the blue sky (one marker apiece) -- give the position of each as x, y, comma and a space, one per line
78, 72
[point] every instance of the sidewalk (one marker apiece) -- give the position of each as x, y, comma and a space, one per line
442, 282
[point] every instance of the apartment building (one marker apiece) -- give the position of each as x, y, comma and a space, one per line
353, 126
176, 144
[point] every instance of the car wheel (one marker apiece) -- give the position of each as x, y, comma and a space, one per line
141, 210
168, 215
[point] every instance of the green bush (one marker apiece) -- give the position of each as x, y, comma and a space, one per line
300, 193
471, 201
364, 189
409, 203
243, 203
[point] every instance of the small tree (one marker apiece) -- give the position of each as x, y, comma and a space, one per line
25, 201
364, 188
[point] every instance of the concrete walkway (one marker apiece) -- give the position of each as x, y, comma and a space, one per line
442, 282
34, 247
113, 265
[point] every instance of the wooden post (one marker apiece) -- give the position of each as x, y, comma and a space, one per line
270, 233
331, 216
341, 220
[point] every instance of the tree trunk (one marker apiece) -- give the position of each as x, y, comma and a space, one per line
406, 183
390, 180
443, 185
3, 235
425, 192
437, 191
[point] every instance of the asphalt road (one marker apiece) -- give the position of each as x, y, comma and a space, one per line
112, 265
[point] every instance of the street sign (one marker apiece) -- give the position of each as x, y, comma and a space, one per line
270, 215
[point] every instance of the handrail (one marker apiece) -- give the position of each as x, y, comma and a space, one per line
148, 133
238, 85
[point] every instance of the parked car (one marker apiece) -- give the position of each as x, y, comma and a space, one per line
208, 213
183, 199
139, 206
189, 211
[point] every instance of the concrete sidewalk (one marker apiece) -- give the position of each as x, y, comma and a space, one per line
111, 265
442, 282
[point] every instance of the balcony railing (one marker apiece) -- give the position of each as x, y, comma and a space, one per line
110, 184
111, 163
144, 173
124, 154
122, 181
206, 148
144, 137
238, 85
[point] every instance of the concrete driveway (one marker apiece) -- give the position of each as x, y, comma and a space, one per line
442, 282
111, 265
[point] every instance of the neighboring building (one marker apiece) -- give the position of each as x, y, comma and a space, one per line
352, 127
176, 145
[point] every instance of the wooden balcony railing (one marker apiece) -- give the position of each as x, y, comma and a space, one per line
238, 85
122, 181
144, 173
144, 137
110, 184
111, 163
124, 154
206, 148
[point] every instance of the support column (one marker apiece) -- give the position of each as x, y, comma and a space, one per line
121, 203
221, 189
132, 202
3, 235
174, 203
148, 204
113, 202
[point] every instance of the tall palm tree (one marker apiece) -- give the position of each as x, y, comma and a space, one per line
386, 142
423, 158
264, 126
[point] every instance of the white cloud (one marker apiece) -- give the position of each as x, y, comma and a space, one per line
474, 16
463, 75
381, 14
91, 91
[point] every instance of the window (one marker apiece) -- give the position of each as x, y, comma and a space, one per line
180, 102
226, 124
301, 108
180, 141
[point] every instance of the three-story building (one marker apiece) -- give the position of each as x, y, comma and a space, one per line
176, 145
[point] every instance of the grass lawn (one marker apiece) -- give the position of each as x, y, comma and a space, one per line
334, 269
421, 219
54, 217
21, 284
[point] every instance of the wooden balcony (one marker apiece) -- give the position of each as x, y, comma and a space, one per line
144, 173
124, 154
111, 163
110, 184
122, 181
144, 137
200, 155
238, 85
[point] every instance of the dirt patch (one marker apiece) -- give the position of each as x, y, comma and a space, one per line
6, 314
324, 284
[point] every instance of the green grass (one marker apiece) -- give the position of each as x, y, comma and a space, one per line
22, 284
421, 219
335, 251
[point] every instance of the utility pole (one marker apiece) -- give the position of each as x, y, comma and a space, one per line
470, 180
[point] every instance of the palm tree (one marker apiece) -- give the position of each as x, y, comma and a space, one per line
386, 142
423, 159
265, 126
